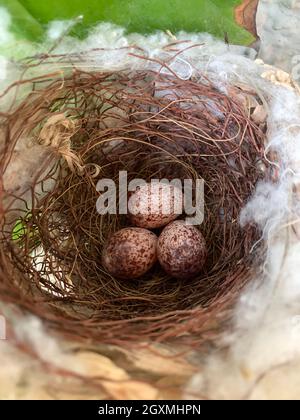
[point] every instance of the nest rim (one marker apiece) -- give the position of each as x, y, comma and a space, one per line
192, 323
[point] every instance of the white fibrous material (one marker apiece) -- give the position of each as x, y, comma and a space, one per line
39, 263
266, 333
5, 22
278, 23
58, 28
265, 339
30, 331
3, 69
5, 37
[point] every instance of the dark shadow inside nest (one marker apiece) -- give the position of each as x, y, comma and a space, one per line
151, 126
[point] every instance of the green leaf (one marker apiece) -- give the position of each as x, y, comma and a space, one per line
19, 230
23, 25
23, 230
144, 16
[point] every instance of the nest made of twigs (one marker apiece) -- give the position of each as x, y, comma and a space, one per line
91, 125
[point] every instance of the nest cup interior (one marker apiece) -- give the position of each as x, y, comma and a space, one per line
92, 125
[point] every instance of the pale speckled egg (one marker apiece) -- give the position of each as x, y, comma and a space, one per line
181, 250
154, 205
130, 253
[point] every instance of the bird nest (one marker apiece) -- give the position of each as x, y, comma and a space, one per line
64, 134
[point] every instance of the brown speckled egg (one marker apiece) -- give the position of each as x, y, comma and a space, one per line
181, 250
130, 253
154, 205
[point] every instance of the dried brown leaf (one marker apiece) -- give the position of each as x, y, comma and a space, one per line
245, 15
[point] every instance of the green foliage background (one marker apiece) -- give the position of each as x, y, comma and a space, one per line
30, 17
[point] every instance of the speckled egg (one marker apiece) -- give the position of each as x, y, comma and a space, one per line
181, 250
130, 253
154, 205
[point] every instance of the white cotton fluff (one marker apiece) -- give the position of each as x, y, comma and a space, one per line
3, 69
278, 23
5, 22
265, 339
266, 333
30, 331
58, 28
5, 38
